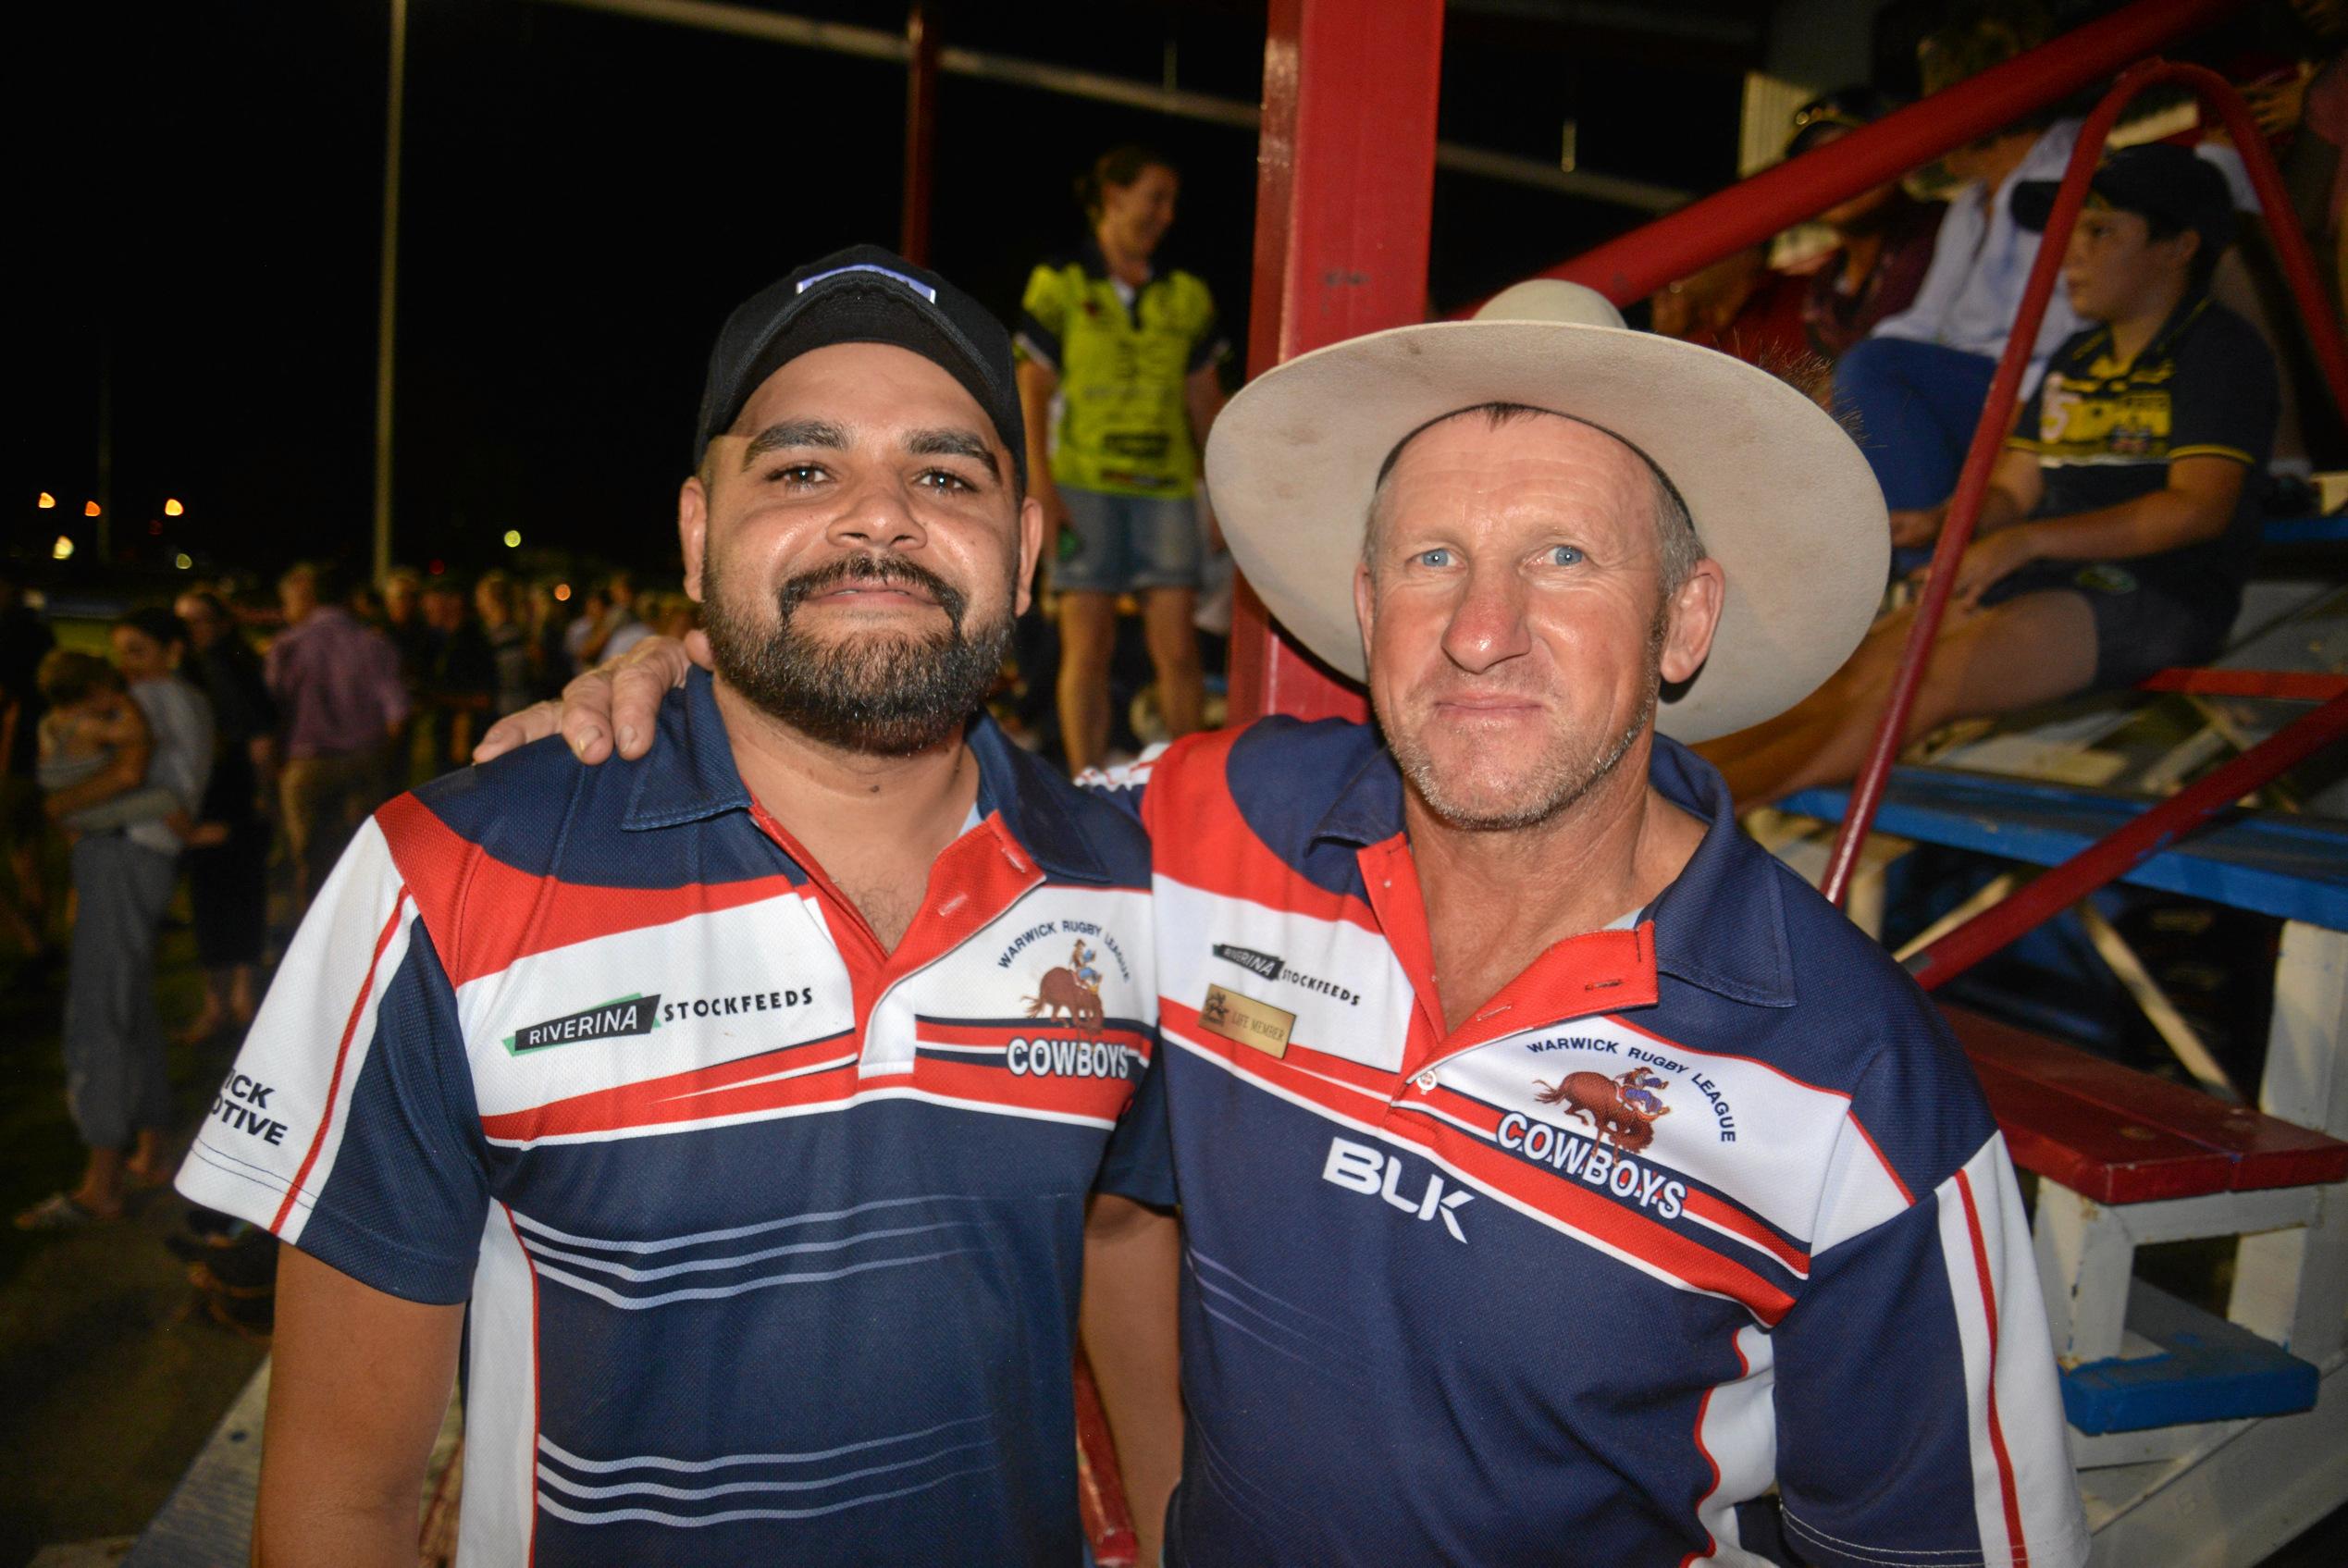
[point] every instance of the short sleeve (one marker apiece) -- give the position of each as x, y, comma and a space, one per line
1918, 1416
2223, 399
1042, 317
1139, 1163
347, 1126
1209, 345
2024, 437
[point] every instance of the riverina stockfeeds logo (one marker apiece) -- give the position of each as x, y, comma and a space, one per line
606, 1020
1271, 966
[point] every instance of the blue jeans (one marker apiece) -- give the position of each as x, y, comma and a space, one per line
1916, 405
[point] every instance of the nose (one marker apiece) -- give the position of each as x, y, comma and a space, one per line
875, 515
1487, 625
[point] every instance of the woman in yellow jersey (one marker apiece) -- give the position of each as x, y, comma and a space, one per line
1130, 353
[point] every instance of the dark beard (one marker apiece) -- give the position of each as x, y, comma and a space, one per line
886, 694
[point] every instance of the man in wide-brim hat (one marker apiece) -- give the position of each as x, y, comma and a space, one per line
1450, 1294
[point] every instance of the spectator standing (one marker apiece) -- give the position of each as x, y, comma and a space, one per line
1883, 235
457, 683
341, 702
1129, 351
1916, 383
228, 883
24, 640
550, 660
494, 601
115, 1079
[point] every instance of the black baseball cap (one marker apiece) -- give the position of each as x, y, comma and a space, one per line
863, 294
2159, 180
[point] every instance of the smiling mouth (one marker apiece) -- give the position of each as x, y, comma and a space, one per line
883, 592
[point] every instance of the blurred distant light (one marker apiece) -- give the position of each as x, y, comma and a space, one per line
513, 539
562, 592
62, 550
172, 508
183, 561
155, 526
437, 567
46, 500
89, 509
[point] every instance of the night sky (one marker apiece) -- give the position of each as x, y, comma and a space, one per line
584, 197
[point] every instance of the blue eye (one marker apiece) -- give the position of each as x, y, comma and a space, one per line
1437, 557
1564, 555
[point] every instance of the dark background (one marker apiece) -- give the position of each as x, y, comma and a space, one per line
196, 190
585, 195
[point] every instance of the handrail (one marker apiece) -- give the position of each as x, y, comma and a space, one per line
2004, 391
1633, 266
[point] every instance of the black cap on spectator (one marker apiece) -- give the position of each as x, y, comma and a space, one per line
863, 294
2159, 181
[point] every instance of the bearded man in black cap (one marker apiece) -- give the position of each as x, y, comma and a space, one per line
706, 1098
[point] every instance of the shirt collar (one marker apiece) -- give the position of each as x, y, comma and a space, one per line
689, 776
1095, 263
1721, 924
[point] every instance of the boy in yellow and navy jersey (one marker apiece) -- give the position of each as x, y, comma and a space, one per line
2120, 518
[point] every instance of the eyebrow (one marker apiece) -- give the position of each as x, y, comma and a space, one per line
951, 442
795, 433
945, 441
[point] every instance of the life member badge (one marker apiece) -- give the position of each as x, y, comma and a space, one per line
1246, 1020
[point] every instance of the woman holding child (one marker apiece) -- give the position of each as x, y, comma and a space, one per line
125, 751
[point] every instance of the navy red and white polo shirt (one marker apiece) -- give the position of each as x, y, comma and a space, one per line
1688, 1212
771, 1239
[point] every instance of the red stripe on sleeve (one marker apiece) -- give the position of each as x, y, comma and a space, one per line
2019, 1547
342, 1056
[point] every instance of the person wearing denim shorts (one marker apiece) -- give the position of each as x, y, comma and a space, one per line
1130, 353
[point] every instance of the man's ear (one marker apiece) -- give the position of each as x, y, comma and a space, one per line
693, 531
1365, 604
2192, 247
1695, 616
1031, 551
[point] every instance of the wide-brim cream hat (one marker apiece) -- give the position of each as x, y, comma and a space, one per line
1779, 494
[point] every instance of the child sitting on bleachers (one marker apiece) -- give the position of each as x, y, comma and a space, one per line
2119, 521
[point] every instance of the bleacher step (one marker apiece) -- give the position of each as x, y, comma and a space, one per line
2202, 1369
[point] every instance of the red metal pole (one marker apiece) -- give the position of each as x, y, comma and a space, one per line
1635, 265
921, 131
2111, 858
2004, 390
1344, 202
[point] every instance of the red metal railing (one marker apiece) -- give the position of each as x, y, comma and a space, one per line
1997, 418
1345, 193
1635, 265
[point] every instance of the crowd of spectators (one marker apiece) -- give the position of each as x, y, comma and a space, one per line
224, 734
